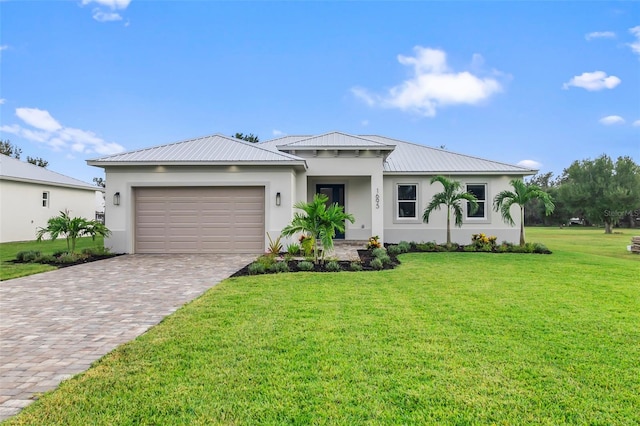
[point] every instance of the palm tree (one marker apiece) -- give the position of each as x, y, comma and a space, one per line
522, 194
71, 229
319, 221
451, 197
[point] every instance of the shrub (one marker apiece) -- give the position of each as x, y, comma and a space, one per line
333, 266
305, 266
95, 251
380, 251
540, 248
374, 243
394, 250
293, 249
469, 248
256, 268
452, 247
503, 248
431, 246
279, 267
46, 258
275, 246
385, 259
404, 246
307, 243
266, 260
376, 264
356, 266
28, 255
68, 258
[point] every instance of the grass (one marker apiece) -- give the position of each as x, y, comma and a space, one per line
447, 338
8, 253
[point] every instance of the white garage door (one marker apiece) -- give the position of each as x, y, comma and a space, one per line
199, 220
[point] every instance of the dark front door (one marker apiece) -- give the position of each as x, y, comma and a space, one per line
335, 192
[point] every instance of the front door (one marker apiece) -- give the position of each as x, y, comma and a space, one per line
335, 192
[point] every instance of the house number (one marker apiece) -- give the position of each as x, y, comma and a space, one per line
377, 198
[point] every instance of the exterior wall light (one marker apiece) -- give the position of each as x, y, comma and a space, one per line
278, 199
116, 199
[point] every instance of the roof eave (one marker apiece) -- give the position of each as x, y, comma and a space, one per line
462, 172
291, 163
49, 183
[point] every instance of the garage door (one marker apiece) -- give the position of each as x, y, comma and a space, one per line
199, 220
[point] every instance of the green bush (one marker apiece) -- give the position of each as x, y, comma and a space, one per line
394, 250
267, 260
404, 246
430, 246
540, 248
305, 266
333, 266
356, 266
377, 252
386, 259
503, 248
46, 258
376, 264
256, 268
452, 247
69, 258
293, 249
470, 248
279, 267
28, 255
95, 251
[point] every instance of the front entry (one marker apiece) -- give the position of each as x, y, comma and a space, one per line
335, 192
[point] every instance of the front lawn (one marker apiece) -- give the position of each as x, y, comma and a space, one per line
8, 253
446, 338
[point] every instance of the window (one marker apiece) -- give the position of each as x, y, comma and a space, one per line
45, 199
407, 201
480, 191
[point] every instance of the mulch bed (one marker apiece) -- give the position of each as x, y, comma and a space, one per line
77, 262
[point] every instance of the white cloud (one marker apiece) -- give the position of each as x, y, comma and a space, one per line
530, 164
635, 46
432, 85
38, 118
593, 81
47, 130
611, 120
636, 123
2, 101
364, 123
600, 34
111, 4
277, 132
102, 16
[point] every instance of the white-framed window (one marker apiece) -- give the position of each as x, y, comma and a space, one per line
45, 199
407, 201
480, 191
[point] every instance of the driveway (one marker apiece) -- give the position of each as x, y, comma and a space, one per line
56, 324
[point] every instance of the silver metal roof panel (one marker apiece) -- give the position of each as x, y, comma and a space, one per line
16, 170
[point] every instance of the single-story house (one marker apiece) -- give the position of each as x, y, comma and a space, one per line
221, 194
30, 195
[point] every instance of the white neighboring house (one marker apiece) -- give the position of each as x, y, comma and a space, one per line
30, 195
220, 194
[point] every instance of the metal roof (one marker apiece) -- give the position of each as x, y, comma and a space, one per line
205, 150
16, 170
335, 140
415, 158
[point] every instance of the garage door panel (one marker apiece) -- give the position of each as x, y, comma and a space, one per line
199, 219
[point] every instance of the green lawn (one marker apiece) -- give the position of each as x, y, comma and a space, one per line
447, 338
8, 252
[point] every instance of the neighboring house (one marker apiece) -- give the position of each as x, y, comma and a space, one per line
30, 195
221, 194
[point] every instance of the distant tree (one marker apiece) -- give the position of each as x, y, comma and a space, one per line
7, 148
249, 138
451, 198
520, 196
100, 182
37, 161
602, 190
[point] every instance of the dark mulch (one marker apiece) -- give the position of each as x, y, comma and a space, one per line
77, 262
345, 266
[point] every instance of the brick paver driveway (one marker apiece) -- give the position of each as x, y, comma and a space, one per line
55, 324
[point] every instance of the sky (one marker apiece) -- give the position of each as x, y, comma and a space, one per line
539, 84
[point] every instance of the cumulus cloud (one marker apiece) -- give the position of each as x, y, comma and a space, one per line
277, 132
530, 164
45, 129
432, 85
102, 16
636, 123
111, 4
2, 101
611, 120
635, 45
600, 34
593, 81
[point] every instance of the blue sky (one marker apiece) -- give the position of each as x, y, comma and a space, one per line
542, 82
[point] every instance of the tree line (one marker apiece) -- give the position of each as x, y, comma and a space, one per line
600, 192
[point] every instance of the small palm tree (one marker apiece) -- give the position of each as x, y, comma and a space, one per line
319, 221
521, 195
451, 198
71, 229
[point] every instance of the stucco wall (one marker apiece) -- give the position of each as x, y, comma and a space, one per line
120, 219
21, 211
395, 230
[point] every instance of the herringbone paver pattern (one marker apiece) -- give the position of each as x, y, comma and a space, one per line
55, 324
